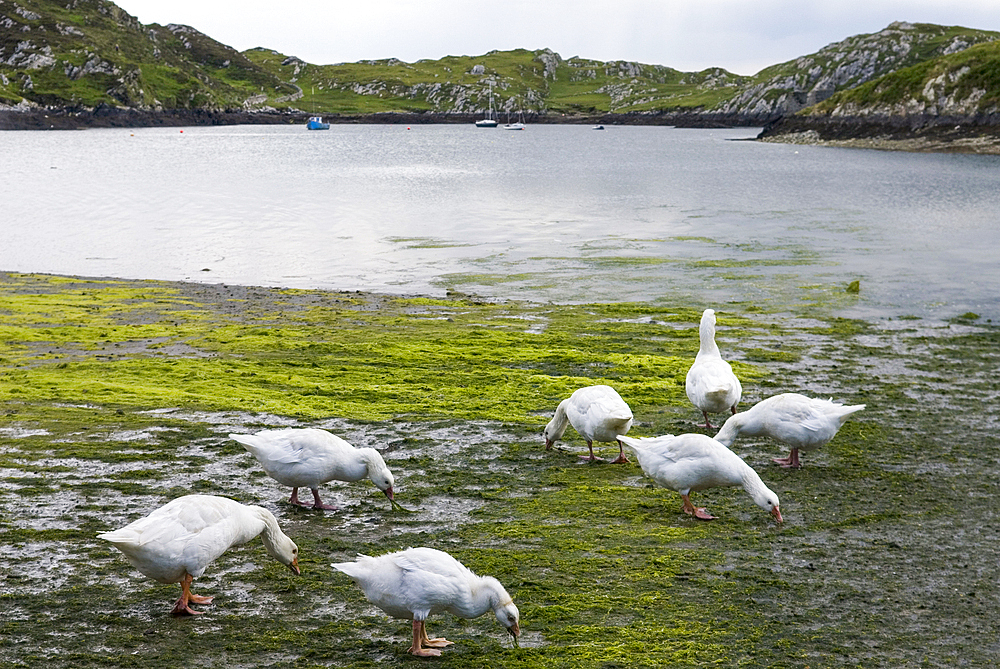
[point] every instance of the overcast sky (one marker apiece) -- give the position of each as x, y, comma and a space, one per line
743, 36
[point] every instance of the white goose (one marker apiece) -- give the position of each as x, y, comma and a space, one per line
417, 582
690, 462
598, 413
307, 457
176, 542
804, 423
711, 385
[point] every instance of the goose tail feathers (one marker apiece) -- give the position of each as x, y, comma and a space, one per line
845, 412
250, 441
356, 569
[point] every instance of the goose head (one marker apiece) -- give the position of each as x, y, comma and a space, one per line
384, 481
284, 550
550, 435
768, 501
378, 472
508, 616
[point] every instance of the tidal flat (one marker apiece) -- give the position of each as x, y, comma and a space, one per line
117, 396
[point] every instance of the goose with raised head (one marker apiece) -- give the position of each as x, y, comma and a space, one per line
598, 413
309, 457
689, 462
418, 582
176, 542
710, 384
800, 422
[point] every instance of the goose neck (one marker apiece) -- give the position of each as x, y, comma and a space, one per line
560, 421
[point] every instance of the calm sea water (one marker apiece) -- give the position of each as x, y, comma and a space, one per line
554, 213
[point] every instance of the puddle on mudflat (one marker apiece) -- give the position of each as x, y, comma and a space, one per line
21, 433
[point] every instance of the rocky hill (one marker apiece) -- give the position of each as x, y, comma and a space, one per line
784, 89
947, 103
88, 62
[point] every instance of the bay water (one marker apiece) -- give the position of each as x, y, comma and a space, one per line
560, 213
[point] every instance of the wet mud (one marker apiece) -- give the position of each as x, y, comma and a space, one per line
117, 396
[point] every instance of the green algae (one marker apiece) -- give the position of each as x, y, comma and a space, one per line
867, 570
480, 363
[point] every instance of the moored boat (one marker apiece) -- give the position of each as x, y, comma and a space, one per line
489, 121
316, 123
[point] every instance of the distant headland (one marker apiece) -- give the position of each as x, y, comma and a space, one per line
908, 86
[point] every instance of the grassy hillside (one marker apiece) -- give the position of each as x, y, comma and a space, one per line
85, 53
537, 81
90, 52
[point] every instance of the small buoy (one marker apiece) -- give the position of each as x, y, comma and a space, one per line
182, 131
407, 127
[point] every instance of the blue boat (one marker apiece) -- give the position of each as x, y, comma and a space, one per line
316, 123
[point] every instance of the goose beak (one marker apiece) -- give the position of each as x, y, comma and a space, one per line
389, 493
515, 630
295, 567
776, 514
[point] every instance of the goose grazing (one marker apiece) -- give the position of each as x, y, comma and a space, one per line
598, 413
307, 457
691, 462
175, 543
804, 423
417, 582
711, 385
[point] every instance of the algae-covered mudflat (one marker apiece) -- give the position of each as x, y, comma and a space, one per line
117, 396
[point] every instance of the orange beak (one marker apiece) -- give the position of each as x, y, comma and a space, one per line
295, 567
776, 514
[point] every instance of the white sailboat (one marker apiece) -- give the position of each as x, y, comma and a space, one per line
516, 125
489, 121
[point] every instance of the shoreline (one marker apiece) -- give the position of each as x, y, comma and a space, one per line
932, 135
104, 116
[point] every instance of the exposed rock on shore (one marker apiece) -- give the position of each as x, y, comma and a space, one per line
950, 134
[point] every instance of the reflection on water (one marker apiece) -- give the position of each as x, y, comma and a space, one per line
557, 213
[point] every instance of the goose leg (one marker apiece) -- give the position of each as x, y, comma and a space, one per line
707, 423
691, 510
294, 499
181, 607
417, 647
621, 455
792, 461
318, 503
592, 458
439, 642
